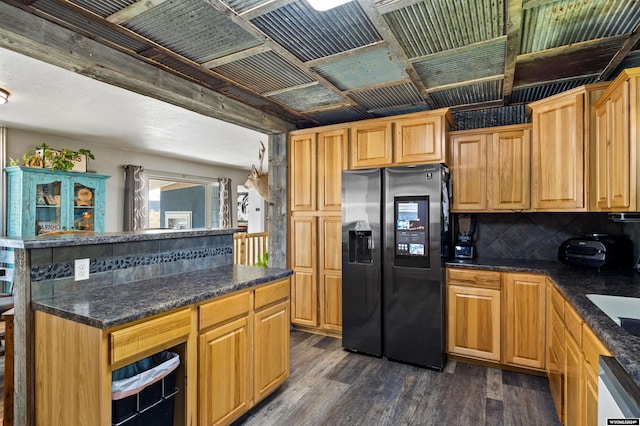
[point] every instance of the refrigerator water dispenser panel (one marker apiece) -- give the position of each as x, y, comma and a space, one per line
360, 247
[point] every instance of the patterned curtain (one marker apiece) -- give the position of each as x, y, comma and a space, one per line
225, 203
134, 198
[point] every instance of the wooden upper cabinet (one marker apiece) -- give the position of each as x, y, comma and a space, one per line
421, 139
302, 172
332, 147
525, 296
491, 168
615, 154
510, 169
562, 129
469, 172
371, 145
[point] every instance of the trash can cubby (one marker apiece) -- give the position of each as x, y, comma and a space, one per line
143, 392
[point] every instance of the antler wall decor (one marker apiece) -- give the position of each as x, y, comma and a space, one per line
257, 178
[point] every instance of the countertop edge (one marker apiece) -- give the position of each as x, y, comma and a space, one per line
89, 238
70, 307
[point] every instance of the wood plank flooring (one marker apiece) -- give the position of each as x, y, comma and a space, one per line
329, 386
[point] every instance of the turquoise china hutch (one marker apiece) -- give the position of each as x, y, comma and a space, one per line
42, 201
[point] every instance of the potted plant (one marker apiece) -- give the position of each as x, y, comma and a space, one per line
63, 159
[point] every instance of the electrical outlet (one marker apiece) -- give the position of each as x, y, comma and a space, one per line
81, 267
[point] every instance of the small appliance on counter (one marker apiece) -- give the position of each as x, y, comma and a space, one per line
463, 248
597, 251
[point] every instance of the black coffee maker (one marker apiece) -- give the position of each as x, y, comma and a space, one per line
465, 227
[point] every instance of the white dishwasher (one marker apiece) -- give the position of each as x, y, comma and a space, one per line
618, 395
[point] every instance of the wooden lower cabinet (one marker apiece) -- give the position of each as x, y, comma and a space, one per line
473, 313
246, 357
555, 347
223, 357
498, 317
590, 392
524, 342
573, 352
573, 387
271, 354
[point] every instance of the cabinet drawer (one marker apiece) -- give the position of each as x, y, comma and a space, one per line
592, 347
557, 301
474, 278
139, 338
573, 323
224, 309
271, 293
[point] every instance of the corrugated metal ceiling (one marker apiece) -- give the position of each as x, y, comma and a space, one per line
367, 58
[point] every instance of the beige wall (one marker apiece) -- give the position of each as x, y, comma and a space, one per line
109, 161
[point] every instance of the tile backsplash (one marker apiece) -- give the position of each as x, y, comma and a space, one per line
538, 235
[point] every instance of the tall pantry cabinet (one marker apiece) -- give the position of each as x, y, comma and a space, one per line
316, 161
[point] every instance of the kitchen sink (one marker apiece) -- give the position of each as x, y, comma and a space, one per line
625, 311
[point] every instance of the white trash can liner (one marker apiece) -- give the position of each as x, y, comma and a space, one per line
133, 385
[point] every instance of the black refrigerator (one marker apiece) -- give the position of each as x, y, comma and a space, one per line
393, 286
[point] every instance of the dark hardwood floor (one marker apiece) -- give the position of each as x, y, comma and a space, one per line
329, 386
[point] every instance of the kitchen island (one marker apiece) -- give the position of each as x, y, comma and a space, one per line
147, 292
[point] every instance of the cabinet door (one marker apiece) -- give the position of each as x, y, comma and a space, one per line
619, 160
302, 172
510, 170
602, 158
224, 380
330, 273
331, 148
304, 295
524, 320
88, 205
419, 140
271, 351
474, 322
573, 381
469, 172
371, 145
558, 155
590, 389
50, 199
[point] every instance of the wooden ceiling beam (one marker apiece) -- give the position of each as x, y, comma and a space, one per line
133, 10
584, 45
244, 23
236, 56
381, 26
621, 54
40, 39
513, 30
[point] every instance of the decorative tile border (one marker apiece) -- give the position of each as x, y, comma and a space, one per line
66, 269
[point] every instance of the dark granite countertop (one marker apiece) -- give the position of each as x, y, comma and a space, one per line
108, 307
575, 283
81, 238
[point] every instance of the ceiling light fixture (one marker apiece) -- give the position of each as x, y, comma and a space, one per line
322, 5
4, 96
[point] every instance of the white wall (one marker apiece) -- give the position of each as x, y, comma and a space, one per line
109, 161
